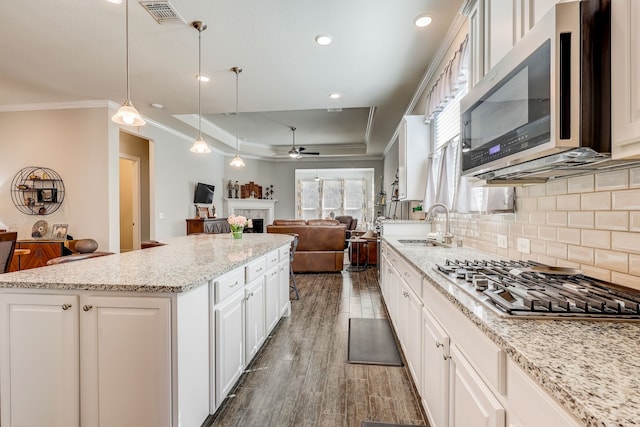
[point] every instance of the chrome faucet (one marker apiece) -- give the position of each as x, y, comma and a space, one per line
447, 237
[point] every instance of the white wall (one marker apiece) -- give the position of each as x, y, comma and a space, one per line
73, 143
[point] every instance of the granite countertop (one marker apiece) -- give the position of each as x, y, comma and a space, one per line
592, 367
182, 264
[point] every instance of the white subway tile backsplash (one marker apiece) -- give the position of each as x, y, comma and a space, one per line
547, 260
613, 220
580, 184
580, 219
596, 201
615, 180
596, 239
557, 186
569, 235
526, 205
557, 250
537, 190
625, 280
538, 247
626, 242
568, 264
530, 231
547, 203
557, 218
569, 202
634, 177
634, 265
634, 221
626, 200
516, 229
617, 261
598, 273
547, 233
538, 218
580, 254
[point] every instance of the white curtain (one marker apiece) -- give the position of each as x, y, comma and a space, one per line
448, 174
453, 77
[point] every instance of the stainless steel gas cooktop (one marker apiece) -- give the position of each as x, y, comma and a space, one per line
525, 289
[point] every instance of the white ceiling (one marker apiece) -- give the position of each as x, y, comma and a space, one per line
74, 50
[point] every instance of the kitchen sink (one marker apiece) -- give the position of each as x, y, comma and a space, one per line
422, 242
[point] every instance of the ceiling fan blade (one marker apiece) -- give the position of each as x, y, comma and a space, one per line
310, 153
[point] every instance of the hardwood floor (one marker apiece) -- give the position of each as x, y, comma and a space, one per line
302, 378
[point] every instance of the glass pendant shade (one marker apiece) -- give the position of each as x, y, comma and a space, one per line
237, 162
200, 147
127, 114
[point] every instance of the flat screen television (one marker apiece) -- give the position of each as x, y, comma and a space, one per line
204, 193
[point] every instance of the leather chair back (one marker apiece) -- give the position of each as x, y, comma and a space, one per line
7, 246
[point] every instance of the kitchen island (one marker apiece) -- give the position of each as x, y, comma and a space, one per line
153, 337
531, 372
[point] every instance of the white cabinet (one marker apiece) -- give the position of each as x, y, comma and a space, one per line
125, 361
254, 318
496, 26
39, 363
229, 338
625, 86
272, 298
413, 150
117, 350
471, 402
411, 331
285, 304
435, 372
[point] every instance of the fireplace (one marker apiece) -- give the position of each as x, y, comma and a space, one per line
256, 209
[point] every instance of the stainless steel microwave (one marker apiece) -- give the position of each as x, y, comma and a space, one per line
548, 95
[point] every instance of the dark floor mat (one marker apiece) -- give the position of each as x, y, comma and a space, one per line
371, 342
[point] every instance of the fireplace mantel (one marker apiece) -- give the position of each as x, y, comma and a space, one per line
266, 206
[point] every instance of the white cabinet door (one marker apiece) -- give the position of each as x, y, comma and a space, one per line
411, 332
39, 363
499, 30
435, 370
272, 298
125, 361
284, 288
471, 402
229, 344
254, 317
625, 86
413, 150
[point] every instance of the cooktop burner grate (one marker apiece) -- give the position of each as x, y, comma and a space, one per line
529, 289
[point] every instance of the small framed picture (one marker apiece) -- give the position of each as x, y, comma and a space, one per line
203, 211
59, 231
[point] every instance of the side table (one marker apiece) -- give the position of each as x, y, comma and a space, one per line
360, 244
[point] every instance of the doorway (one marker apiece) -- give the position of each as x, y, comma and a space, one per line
130, 235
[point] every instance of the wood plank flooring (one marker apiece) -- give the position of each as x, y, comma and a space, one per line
301, 376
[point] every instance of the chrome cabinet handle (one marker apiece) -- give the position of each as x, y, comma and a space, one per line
439, 344
274, 273
234, 285
66, 306
446, 357
87, 307
259, 270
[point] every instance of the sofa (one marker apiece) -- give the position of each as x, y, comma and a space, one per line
350, 222
320, 243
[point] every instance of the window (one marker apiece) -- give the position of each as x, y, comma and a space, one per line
337, 191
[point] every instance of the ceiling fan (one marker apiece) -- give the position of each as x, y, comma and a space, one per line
298, 152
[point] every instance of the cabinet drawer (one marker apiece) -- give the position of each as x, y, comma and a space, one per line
227, 284
284, 253
256, 269
272, 259
410, 275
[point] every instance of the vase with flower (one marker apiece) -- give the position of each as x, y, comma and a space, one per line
237, 224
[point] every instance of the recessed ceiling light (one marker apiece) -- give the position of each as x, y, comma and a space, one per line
202, 78
334, 95
323, 39
422, 20
156, 105
115, 1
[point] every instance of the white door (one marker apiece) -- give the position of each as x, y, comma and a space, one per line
284, 287
129, 203
471, 403
411, 312
39, 367
229, 345
125, 361
254, 312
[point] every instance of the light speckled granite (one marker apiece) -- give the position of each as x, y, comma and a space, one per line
182, 264
591, 367
401, 221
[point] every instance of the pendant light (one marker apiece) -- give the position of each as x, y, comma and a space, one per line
127, 114
200, 147
237, 160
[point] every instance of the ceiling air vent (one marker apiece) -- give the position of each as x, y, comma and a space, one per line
334, 110
163, 12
